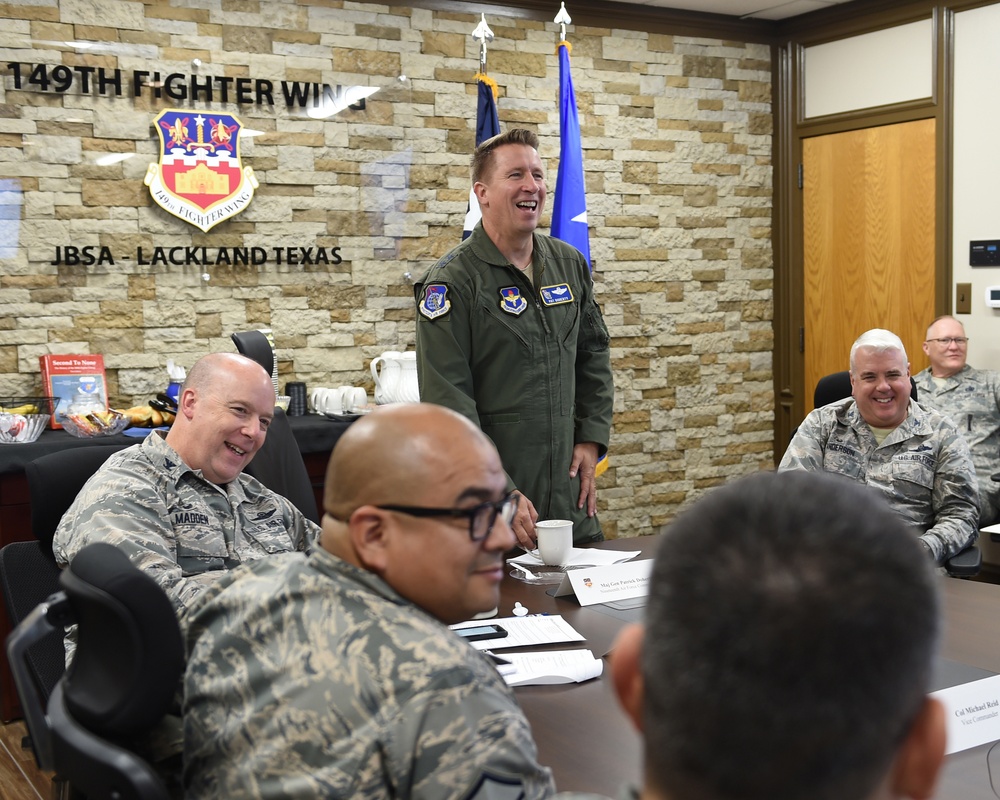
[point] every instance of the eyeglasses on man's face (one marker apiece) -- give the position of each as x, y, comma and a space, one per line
481, 518
947, 341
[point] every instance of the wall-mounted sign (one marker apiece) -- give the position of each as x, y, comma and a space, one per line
199, 177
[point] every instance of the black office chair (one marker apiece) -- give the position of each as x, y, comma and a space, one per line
27, 569
837, 386
54, 481
278, 464
121, 683
28, 576
259, 345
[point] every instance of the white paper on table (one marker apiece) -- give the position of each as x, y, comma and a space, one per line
582, 557
526, 631
972, 713
554, 666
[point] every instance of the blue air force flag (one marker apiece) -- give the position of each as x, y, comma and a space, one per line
487, 126
569, 212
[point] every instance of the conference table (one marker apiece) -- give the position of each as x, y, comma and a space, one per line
590, 745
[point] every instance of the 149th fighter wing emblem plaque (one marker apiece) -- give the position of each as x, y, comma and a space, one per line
199, 177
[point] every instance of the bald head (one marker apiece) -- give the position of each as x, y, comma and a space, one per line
399, 483
399, 453
208, 369
224, 409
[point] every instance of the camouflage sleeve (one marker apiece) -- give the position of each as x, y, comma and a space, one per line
955, 498
302, 530
469, 744
805, 451
125, 508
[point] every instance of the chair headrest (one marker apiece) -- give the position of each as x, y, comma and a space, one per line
255, 345
55, 479
129, 654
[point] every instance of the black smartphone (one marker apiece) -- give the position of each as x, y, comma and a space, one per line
478, 632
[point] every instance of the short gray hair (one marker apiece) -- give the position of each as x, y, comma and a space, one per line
879, 340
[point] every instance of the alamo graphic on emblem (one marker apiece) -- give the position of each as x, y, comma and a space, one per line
199, 177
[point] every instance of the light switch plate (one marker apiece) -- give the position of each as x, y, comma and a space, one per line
963, 298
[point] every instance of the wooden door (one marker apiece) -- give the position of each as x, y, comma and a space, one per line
868, 241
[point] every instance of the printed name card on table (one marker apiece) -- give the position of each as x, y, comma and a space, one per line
607, 584
972, 713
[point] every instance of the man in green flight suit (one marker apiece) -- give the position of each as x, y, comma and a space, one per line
509, 334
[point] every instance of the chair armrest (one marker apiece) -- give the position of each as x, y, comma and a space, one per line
965, 564
46, 617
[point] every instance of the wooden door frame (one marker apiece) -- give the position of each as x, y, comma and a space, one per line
791, 128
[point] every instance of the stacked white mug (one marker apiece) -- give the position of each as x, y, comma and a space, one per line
342, 400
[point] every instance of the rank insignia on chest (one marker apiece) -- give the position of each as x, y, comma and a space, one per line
435, 303
512, 301
556, 295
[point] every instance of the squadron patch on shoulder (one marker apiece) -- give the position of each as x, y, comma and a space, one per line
435, 303
512, 301
556, 295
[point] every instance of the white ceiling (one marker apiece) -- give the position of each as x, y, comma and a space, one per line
751, 9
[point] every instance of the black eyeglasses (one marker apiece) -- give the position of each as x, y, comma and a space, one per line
961, 341
481, 518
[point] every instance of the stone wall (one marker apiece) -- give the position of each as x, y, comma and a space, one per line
677, 154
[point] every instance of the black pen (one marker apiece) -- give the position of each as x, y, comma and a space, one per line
497, 659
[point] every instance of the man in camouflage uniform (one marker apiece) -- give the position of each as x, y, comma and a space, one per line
970, 398
333, 675
914, 456
820, 691
179, 505
510, 335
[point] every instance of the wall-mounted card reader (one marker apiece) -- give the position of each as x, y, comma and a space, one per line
984, 253
993, 296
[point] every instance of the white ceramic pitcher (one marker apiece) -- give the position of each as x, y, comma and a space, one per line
408, 389
396, 381
386, 379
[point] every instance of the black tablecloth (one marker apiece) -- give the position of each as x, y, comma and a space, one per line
314, 433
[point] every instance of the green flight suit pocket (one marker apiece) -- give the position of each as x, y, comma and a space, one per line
499, 419
594, 336
506, 323
507, 434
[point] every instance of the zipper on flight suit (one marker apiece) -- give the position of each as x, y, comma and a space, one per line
521, 279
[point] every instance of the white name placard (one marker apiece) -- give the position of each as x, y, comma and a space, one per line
972, 711
593, 585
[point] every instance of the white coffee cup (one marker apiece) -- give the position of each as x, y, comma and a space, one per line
353, 398
555, 541
327, 401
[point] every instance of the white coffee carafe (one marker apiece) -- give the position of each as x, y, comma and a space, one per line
408, 389
396, 382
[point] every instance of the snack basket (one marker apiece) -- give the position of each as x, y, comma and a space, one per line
95, 423
26, 404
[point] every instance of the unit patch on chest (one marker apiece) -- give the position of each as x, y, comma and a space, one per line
556, 295
512, 301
